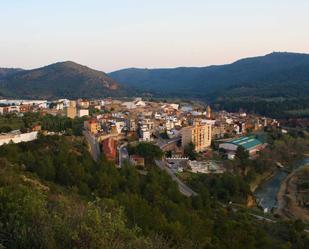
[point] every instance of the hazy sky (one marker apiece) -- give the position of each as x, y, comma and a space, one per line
114, 34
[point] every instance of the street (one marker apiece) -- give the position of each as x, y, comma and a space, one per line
123, 154
183, 188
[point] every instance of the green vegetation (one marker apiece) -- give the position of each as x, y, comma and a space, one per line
48, 122
243, 172
282, 108
276, 84
189, 151
35, 215
53, 195
59, 80
225, 187
147, 150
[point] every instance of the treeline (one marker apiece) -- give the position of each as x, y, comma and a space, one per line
48, 122
53, 195
284, 108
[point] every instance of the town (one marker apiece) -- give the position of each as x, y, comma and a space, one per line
111, 125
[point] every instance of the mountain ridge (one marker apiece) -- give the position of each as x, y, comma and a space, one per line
60, 79
215, 78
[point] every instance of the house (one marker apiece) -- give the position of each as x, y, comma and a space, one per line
109, 148
83, 112
83, 103
129, 105
137, 160
36, 127
24, 108
139, 102
145, 135
92, 125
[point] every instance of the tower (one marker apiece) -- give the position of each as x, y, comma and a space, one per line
209, 112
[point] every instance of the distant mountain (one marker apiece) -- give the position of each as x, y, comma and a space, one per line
273, 75
5, 72
276, 84
63, 79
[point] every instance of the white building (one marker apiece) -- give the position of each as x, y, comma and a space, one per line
145, 136
83, 112
169, 125
129, 105
205, 167
17, 137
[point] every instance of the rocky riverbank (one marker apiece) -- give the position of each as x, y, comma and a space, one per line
288, 197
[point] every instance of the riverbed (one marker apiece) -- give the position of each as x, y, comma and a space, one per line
266, 194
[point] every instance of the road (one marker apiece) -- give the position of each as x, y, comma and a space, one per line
123, 154
183, 188
163, 143
93, 145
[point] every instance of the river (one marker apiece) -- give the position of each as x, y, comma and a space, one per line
266, 194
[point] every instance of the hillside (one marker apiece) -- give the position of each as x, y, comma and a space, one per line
255, 76
5, 72
54, 196
63, 79
274, 84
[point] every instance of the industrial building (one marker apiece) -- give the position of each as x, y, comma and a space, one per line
249, 143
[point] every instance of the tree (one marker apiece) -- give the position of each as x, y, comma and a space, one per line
242, 154
189, 151
147, 150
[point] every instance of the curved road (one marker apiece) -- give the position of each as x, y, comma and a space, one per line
183, 188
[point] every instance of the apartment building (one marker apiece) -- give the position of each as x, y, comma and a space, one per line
199, 135
71, 111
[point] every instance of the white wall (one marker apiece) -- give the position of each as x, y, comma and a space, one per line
18, 138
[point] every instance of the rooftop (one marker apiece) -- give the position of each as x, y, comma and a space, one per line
246, 142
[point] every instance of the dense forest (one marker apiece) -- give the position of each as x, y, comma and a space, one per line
275, 85
53, 195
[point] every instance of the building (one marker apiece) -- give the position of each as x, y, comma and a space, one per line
17, 137
250, 144
24, 108
199, 135
83, 112
205, 167
209, 113
37, 127
92, 125
145, 135
132, 124
109, 148
71, 111
137, 160
83, 103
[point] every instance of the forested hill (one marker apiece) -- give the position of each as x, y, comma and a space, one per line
259, 73
63, 79
263, 84
53, 195
5, 72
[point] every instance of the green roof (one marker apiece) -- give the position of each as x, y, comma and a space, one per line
246, 142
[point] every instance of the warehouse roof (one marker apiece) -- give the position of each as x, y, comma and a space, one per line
246, 142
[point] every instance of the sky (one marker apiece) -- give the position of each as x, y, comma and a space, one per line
113, 34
